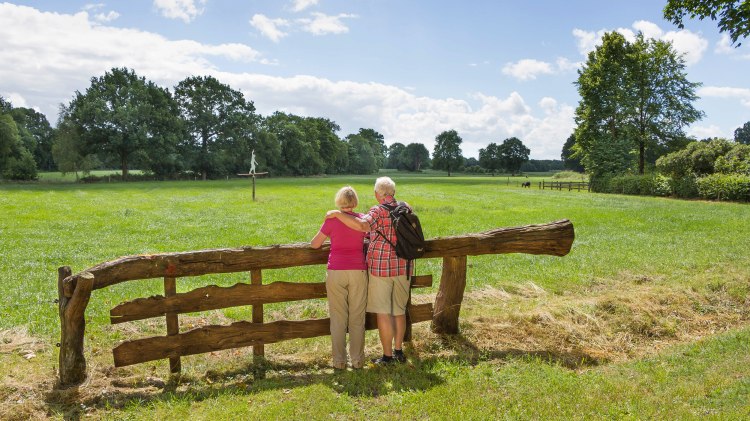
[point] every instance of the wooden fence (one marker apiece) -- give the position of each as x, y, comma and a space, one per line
569, 185
74, 291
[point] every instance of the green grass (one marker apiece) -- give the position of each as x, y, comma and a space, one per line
682, 245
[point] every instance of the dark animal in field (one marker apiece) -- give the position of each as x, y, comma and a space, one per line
526, 184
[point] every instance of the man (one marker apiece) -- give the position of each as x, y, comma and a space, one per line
388, 288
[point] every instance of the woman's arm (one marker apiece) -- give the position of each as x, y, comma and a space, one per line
318, 240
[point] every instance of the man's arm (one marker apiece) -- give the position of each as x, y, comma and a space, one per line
350, 221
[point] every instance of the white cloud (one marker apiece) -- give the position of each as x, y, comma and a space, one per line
322, 24
704, 132
16, 99
187, 10
300, 5
725, 92
527, 69
109, 17
649, 29
46, 57
691, 45
269, 27
724, 45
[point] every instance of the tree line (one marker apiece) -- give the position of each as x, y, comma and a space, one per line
206, 129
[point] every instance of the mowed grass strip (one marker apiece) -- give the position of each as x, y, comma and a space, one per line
686, 252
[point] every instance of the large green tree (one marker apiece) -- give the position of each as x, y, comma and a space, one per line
489, 158
217, 118
362, 157
569, 161
742, 134
513, 153
733, 15
447, 153
16, 162
68, 149
415, 157
36, 134
394, 156
122, 115
635, 97
377, 145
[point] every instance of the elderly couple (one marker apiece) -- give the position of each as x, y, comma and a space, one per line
350, 293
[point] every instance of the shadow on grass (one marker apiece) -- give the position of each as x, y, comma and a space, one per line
419, 374
468, 353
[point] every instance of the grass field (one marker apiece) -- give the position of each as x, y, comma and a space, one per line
647, 317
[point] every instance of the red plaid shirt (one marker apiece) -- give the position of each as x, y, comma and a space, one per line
381, 257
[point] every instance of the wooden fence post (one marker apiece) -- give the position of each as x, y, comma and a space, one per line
173, 325
73, 326
450, 295
256, 278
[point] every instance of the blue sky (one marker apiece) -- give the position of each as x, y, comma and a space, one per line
408, 69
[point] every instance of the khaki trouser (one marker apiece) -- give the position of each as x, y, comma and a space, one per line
347, 299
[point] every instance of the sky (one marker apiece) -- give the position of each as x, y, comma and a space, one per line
489, 69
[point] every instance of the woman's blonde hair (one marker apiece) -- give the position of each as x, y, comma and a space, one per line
346, 197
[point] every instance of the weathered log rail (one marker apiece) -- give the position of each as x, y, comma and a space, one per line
554, 238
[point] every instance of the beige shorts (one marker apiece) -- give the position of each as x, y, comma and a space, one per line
387, 295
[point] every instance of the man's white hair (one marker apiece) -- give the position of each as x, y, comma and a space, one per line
384, 186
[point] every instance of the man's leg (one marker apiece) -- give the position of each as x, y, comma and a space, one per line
400, 330
385, 329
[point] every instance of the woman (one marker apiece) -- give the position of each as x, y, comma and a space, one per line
346, 282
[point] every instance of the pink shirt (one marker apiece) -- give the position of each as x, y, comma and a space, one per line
346, 245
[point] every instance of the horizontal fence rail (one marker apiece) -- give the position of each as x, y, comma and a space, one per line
555, 238
568, 185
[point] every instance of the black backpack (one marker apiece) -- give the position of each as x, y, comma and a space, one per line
409, 238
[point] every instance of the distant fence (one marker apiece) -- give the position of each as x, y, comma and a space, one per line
567, 185
74, 291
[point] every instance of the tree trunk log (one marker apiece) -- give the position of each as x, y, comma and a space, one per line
72, 327
554, 239
450, 295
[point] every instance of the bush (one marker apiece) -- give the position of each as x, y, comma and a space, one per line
21, 168
570, 175
724, 187
685, 187
649, 185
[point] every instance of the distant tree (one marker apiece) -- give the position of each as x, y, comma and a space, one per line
122, 115
5, 106
362, 159
16, 162
415, 157
377, 145
490, 159
394, 156
513, 153
35, 127
733, 15
742, 134
634, 96
542, 165
570, 162
447, 154
333, 152
68, 150
216, 117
